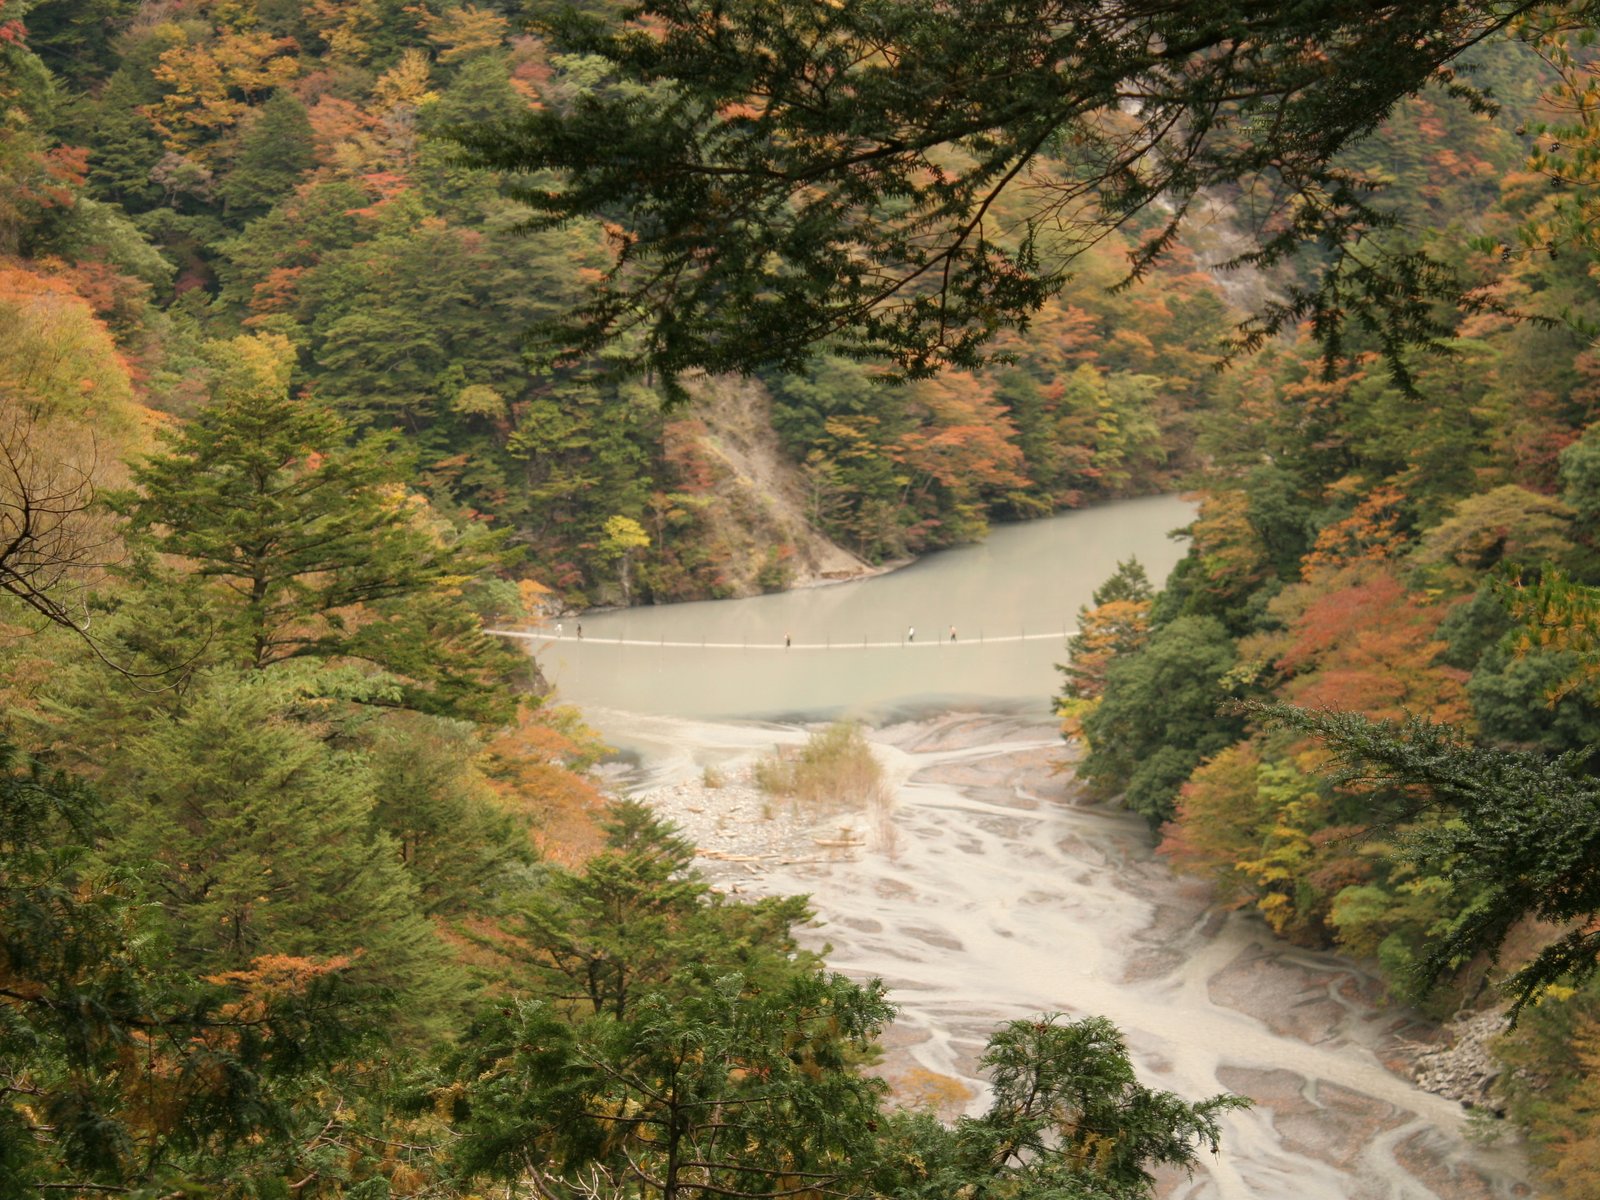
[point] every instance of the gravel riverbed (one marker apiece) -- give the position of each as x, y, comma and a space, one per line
739, 831
988, 890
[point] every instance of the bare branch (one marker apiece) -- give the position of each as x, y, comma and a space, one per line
56, 541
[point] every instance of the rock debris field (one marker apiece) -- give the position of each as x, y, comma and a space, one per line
738, 830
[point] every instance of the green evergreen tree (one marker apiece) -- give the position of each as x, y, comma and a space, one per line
393, 315
480, 93
123, 146
1129, 581
273, 154
459, 846
265, 841
1068, 1118
1161, 715
76, 38
639, 919
123, 149
1116, 623
314, 546
1580, 478
726, 1091
124, 1071
296, 235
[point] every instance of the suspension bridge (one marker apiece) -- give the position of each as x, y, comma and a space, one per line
865, 643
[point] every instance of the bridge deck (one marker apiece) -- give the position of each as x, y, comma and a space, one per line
863, 644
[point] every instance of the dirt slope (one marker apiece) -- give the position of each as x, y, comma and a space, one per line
763, 509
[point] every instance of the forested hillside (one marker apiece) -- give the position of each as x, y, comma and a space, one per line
1412, 569
306, 893
179, 175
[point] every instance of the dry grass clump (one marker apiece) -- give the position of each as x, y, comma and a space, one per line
834, 770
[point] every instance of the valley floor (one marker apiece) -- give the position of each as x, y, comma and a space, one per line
986, 890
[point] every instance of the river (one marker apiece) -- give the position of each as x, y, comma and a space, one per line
990, 891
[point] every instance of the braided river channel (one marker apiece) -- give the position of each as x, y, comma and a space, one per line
989, 889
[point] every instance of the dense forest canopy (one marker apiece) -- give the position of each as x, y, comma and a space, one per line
216, 172
900, 181
305, 893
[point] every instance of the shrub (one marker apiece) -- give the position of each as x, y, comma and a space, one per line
834, 769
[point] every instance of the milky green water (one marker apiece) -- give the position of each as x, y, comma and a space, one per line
1011, 600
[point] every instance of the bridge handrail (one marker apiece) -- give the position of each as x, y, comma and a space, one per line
982, 640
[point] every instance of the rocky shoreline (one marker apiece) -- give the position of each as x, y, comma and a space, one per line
1463, 1068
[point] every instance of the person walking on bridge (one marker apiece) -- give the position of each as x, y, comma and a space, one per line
911, 633
952, 633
